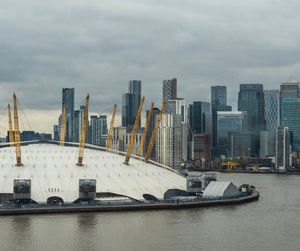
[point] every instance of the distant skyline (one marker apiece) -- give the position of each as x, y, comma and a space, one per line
97, 46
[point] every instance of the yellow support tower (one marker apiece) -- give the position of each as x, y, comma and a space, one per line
145, 131
83, 131
111, 129
133, 133
10, 128
153, 136
17, 132
63, 127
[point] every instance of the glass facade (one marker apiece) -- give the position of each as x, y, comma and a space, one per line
272, 118
290, 117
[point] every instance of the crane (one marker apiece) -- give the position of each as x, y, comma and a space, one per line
17, 132
63, 127
153, 136
145, 131
133, 133
83, 131
111, 129
10, 128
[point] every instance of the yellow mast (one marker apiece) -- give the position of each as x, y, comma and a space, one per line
83, 131
133, 133
10, 128
153, 136
63, 127
110, 133
17, 132
145, 131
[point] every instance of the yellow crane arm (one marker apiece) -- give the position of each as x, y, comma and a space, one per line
17, 132
110, 133
145, 131
83, 131
153, 136
10, 128
133, 133
63, 127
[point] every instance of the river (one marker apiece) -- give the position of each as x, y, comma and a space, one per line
271, 223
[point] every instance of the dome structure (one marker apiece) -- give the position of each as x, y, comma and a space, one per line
52, 172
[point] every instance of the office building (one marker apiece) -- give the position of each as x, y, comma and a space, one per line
228, 122
272, 109
251, 100
201, 147
241, 144
68, 100
282, 159
290, 117
98, 130
218, 103
267, 143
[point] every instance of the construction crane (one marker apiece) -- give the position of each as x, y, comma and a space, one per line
17, 132
10, 128
133, 133
153, 136
145, 131
111, 128
63, 127
83, 131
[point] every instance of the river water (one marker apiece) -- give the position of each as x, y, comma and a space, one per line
271, 223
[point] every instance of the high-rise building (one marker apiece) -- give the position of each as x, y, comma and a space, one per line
68, 100
282, 159
98, 130
199, 117
178, 107
251, 100
201, 146
218, 103
290, 117
169, 146
241, 144
228, 122
267, 144
169, 89
131, 102
272, 109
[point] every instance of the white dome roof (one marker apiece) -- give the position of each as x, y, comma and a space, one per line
53, 171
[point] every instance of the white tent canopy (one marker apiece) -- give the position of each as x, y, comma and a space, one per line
217, 189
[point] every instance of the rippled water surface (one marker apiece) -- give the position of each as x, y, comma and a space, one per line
271, 223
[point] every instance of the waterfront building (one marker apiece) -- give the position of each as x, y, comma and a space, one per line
282, 158
169, 145
169, 89
290, 117
267, 143
251, 100
272, 109
228, 122
218, 103
241, 144
131, 102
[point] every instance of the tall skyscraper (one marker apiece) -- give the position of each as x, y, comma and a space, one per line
199, 117
267, 143
282, 159
98, 130
151, 126
68, 100
131, 102
169, 145
218, 103
228, 122
272, 110
169, 88
290, 117
251, 100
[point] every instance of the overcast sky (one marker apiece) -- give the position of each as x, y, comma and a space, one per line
96, 46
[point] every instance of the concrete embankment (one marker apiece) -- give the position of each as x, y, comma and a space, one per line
131, 207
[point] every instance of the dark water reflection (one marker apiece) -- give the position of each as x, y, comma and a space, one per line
272, 223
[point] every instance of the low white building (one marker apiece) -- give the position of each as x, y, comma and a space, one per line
217, 189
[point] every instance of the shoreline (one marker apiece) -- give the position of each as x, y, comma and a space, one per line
134, 207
